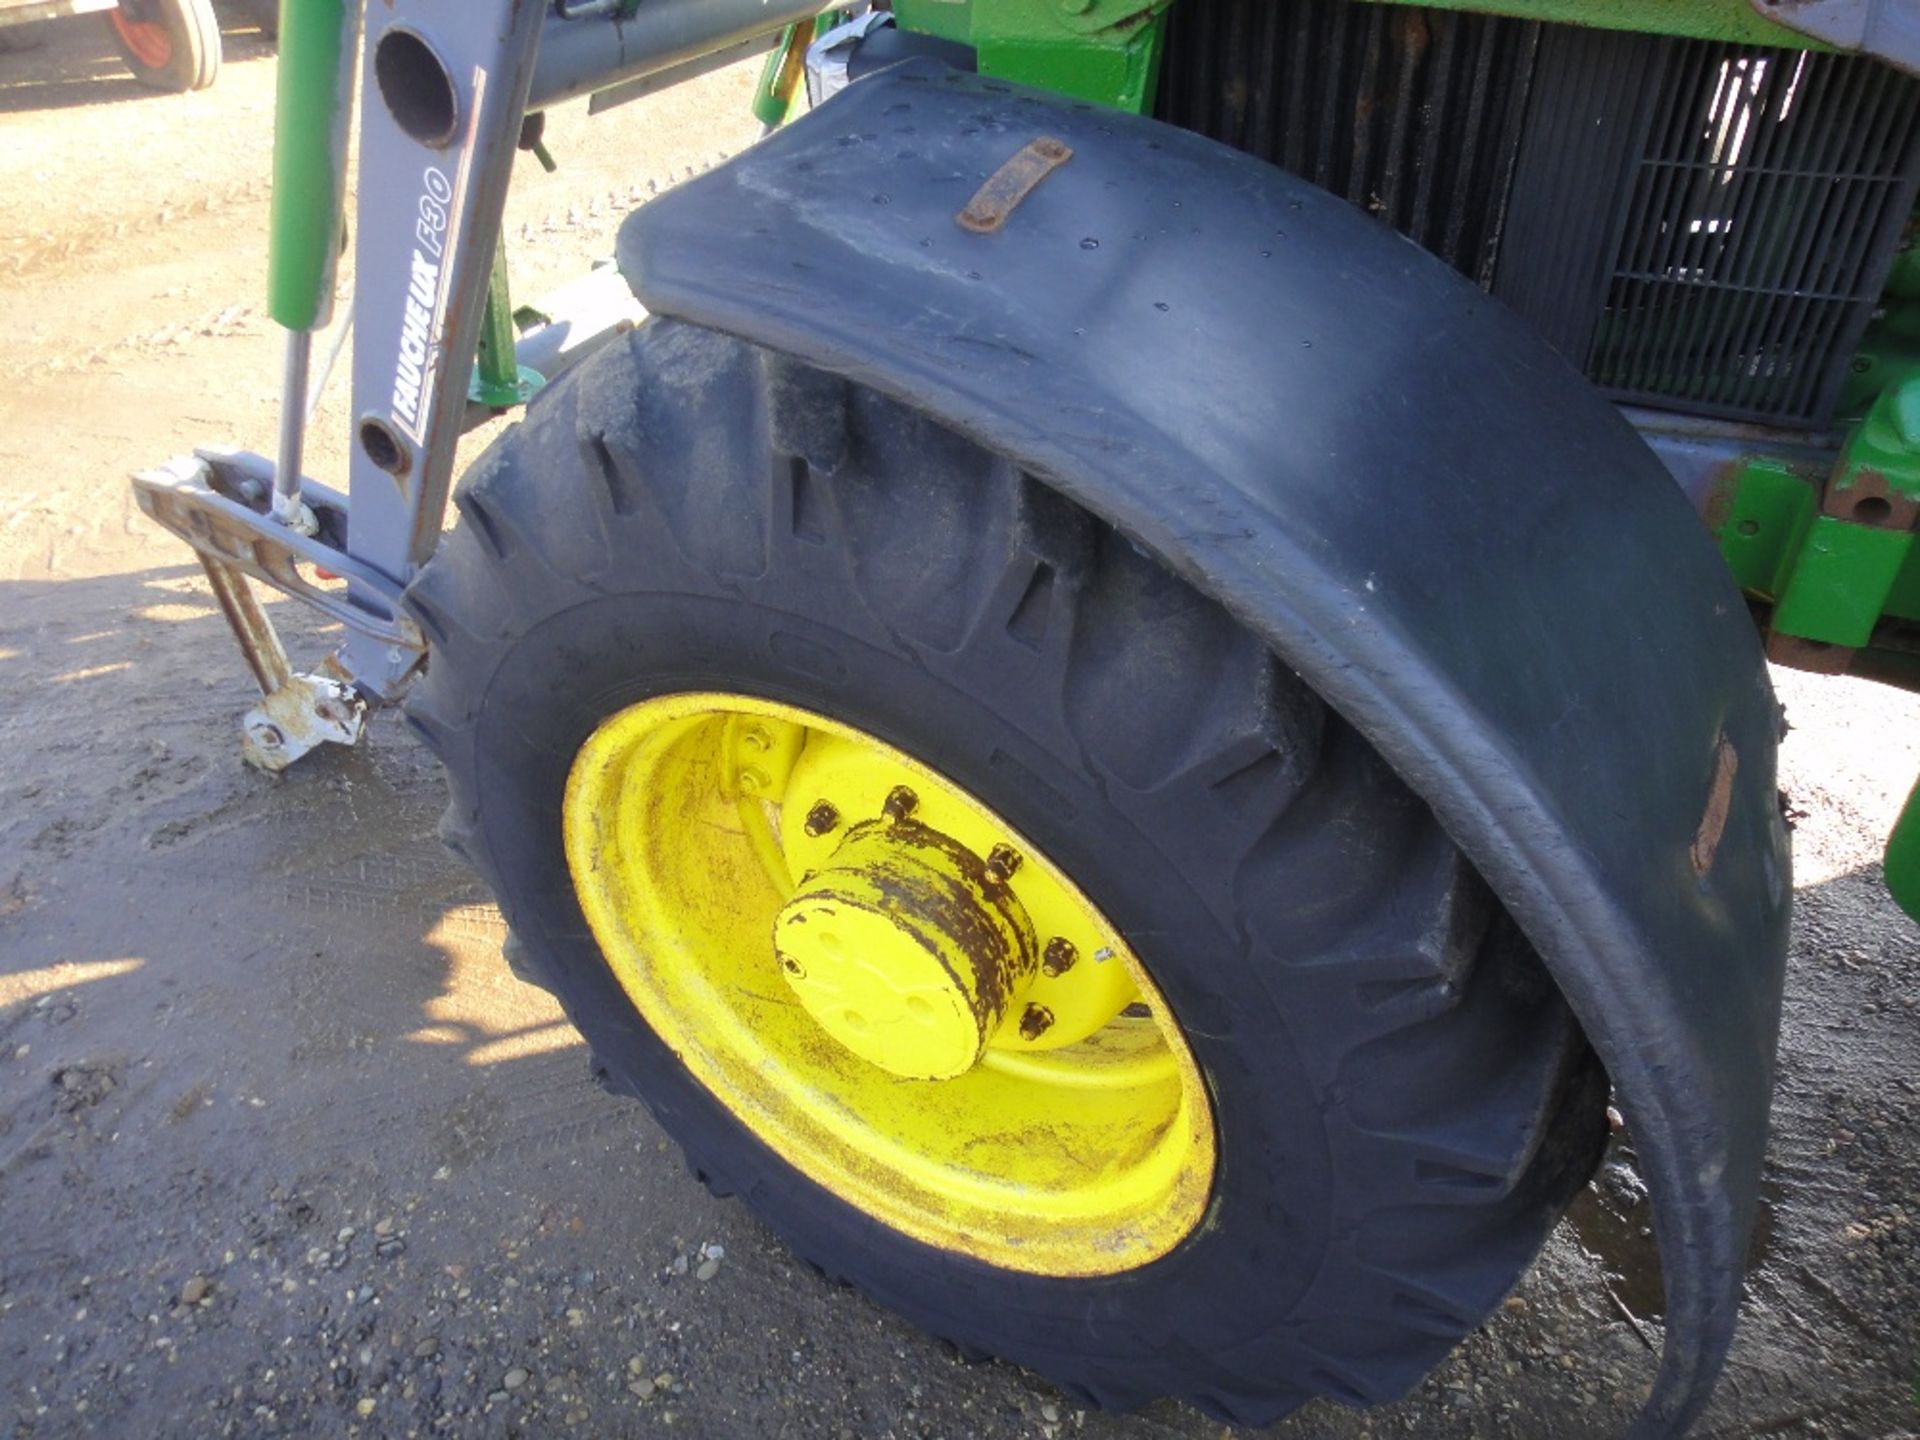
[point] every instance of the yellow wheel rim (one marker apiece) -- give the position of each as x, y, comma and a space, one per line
894, 990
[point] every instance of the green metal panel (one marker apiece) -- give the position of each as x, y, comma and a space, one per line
948, 19
1841, 580
1832, 577
1903, 601
314, 99
993, 23
1845, 573
1767, 516
1884, 449
1903, 857
1882, 458
1105, 51
1120, 76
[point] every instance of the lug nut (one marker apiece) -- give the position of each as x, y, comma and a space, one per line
901, 802
1058, 957
753, 781
822, 818
1035, 1022
1002, 861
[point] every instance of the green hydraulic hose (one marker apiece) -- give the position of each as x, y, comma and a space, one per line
1903, 856
311, 110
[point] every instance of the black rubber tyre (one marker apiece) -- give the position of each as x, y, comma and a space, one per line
183, 49
1404, 1103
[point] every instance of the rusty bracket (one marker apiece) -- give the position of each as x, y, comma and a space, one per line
1870, 498
308, 711
1003, 190
297, 712
1856, 549
1713, 820
207, 500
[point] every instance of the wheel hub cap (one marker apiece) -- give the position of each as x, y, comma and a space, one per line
906, 949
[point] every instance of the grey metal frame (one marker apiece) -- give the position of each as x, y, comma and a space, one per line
426, 227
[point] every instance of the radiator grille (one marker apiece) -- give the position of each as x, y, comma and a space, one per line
1415, 115
1760, 217
1703, 226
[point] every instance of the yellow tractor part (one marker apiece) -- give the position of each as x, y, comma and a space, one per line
907, 949
889, 986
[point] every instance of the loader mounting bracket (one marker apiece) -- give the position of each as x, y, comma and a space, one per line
216, 500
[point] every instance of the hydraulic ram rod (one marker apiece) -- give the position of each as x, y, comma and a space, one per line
312, 108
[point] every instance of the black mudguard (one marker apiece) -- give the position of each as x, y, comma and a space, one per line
1426, 512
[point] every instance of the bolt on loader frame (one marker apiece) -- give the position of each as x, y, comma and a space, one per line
1817, 526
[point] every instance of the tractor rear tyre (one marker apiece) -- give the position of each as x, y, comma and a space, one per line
979, 901
171, 45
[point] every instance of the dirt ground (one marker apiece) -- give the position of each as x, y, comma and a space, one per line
284, 1149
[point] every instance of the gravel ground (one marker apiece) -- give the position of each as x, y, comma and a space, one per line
285, 1150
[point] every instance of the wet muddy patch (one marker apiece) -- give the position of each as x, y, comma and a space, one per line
1613, 1219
